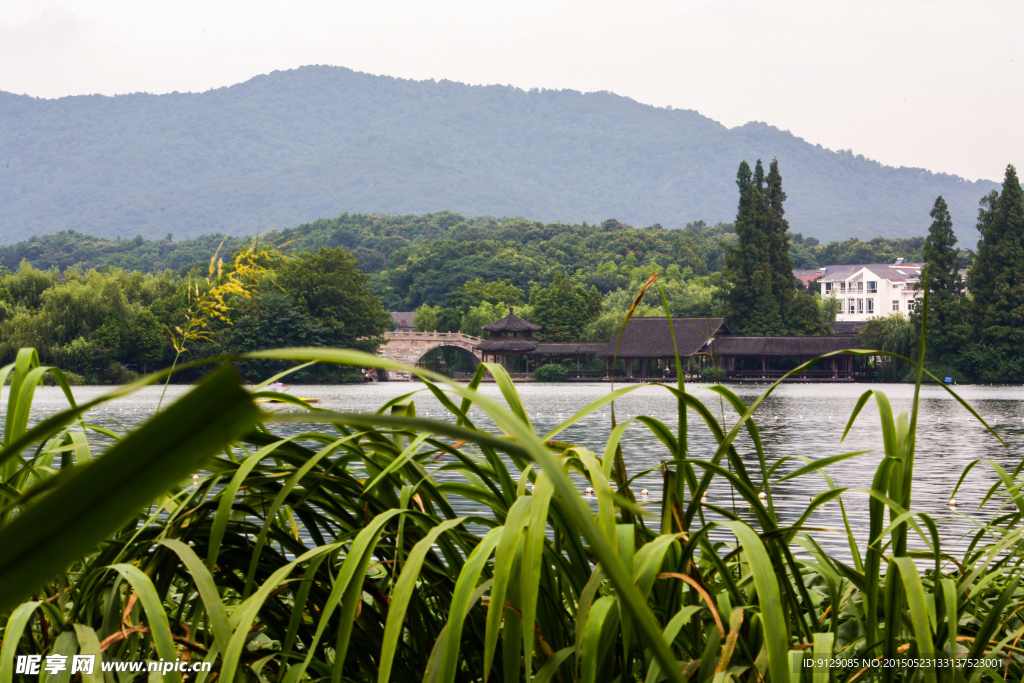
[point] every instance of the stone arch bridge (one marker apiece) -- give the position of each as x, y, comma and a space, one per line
409, 347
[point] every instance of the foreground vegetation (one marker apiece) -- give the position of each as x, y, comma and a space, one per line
336, 553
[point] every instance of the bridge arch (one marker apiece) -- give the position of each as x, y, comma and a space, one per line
448, 359
411, 347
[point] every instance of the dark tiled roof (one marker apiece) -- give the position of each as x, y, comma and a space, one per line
511, 323
510, 345
848, 328
781, 347
582, 349
651, 337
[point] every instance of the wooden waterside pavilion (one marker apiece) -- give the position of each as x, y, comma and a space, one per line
512, 344
647, 351
758, 359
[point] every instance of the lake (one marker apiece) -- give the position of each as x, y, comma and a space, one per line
798, 419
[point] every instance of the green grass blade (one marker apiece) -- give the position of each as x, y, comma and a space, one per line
227, 499
159, 625
672, 629
402, 594
96, 499
504, 560
464, 588
13, 630
508, 390
550, 668
823, 644
88, 644
603, 613
919, 617
245, 614
533, 553
215, 611
819, 463
773, 619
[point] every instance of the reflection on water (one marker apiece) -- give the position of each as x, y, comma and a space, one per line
797, 420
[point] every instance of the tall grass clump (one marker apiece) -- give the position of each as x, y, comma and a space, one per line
336, 554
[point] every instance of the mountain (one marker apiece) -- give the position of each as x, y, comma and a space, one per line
285, 148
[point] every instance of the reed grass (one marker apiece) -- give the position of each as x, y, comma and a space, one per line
113, 550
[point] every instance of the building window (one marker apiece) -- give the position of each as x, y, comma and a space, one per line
852, 307
828, 287
842, 286
872, 286
910, 304
895, 304
860, 305
860, 286
871, 305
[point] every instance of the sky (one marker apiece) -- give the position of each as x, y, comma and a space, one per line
931, 84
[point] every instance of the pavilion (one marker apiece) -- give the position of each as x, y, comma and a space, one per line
769, 358
648, 348
512, 344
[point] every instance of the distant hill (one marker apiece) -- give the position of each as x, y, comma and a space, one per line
285, 148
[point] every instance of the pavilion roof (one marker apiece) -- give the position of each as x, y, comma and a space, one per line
781, 347
507, 345
569, 349
511, 323
848, 328
652, 338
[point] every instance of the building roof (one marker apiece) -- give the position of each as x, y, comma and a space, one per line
561, 349
781, 347
507, 345
511, 323
652, 338
403, 318
848, 328
807, 276
894, 272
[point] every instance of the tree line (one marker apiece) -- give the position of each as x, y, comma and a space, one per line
68, 296
106, 325
975, 323
414, 260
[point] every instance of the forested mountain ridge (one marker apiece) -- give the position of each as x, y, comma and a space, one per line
317, 141
415, 260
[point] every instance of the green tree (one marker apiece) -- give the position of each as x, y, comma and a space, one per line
829, 308
476, 292
563, 310
751, 306
997, 285
28, 284
329, 287
777, 238
806, 317
276, 320
948, 331
893, 333
147, 341
427, 318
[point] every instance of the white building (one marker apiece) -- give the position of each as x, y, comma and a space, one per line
867, 291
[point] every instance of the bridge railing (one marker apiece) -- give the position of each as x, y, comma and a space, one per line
433, 336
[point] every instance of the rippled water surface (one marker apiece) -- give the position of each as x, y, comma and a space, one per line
797, 420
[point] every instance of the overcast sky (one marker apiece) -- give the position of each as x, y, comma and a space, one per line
938, 85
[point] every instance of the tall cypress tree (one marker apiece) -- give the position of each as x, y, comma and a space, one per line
947, 328
997, 281
750, 302
777, 237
